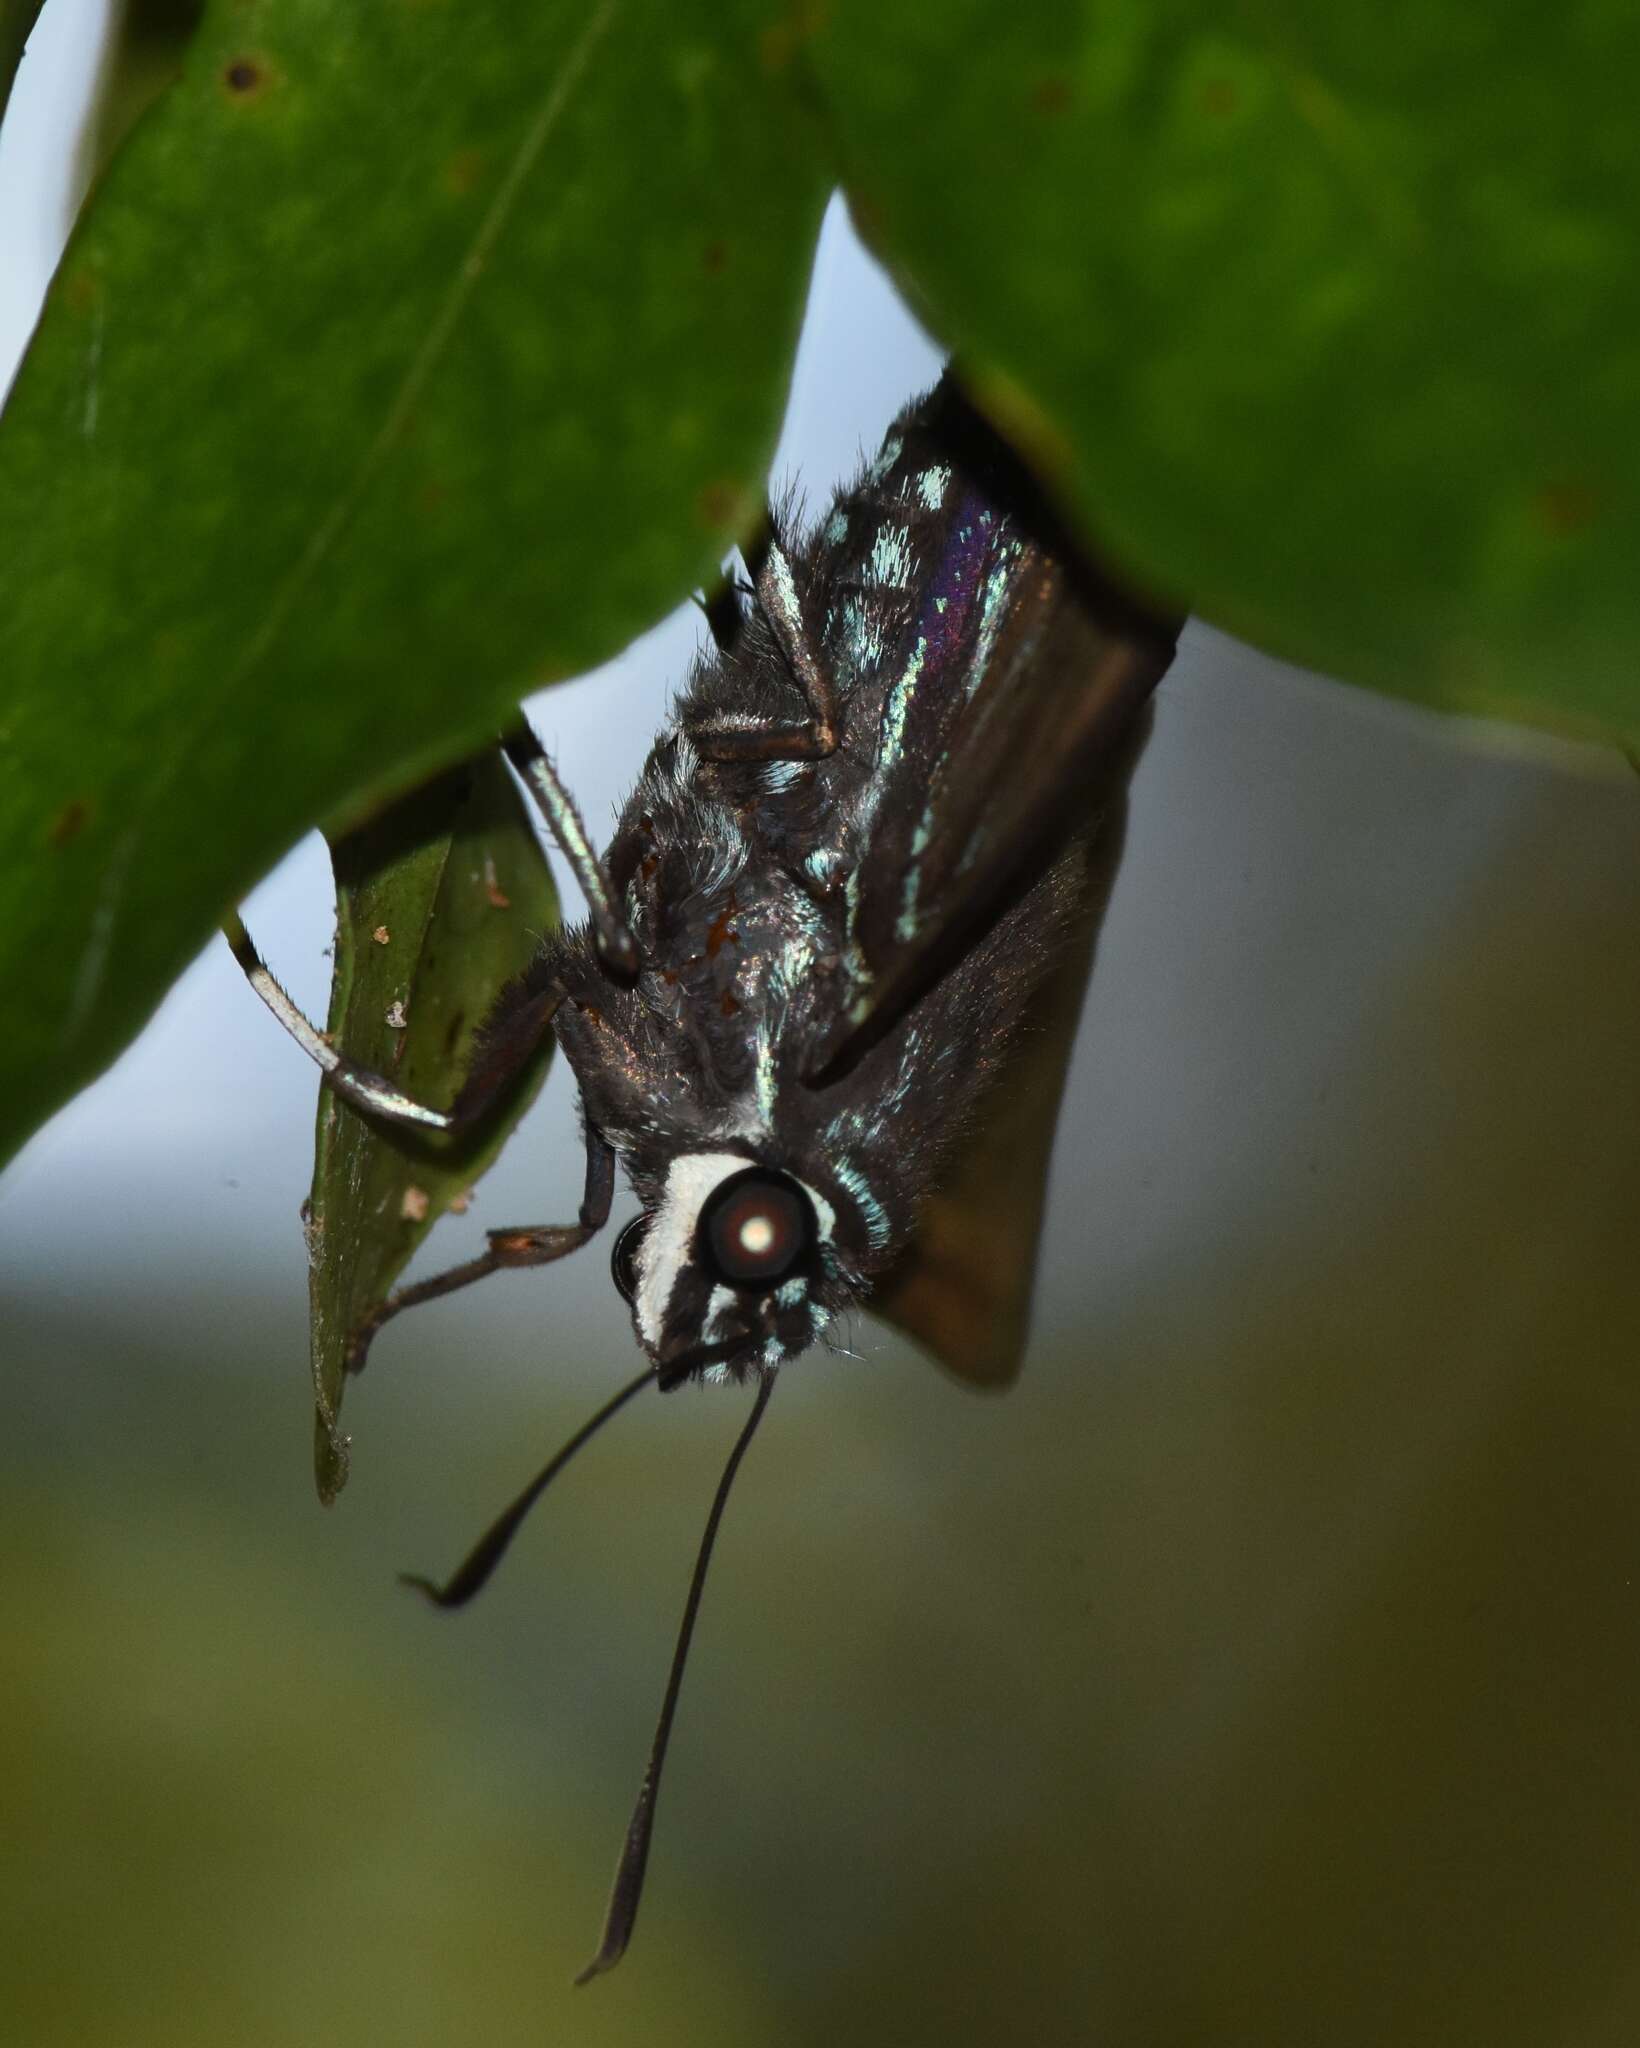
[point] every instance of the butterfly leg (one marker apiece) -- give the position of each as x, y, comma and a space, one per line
740, 739
616, 944
530, 1244
498, 1065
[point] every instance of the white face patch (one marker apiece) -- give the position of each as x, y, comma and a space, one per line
664, 1251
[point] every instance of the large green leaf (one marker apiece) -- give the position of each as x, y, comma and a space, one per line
1325, 315
440, 900
404, 359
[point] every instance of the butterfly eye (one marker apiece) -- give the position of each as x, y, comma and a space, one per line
756, 1228
623, 1260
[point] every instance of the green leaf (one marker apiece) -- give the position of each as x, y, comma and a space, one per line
1323, 315
404, 359
441, 900
17, 19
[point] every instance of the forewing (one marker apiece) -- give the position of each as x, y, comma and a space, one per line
1017, 674
963, 1288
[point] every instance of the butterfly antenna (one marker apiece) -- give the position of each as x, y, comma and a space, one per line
473, 1573
628, 1888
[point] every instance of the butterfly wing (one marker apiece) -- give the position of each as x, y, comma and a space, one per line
1014, 671
962, 1289
1016, 679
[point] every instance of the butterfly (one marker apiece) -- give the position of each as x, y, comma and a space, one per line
821, 1006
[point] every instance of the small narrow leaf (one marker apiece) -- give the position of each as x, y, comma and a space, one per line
441, 900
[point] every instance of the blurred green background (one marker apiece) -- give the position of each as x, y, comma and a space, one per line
1263, 1668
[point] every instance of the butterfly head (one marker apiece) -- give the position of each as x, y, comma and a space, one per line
735, 1259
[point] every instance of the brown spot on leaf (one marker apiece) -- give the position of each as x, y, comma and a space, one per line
776, 46
381, 935
69, 822
1565, 506
463, 170
648, 866
728, 1005
718, 503
414, 1204
1051, 95
244, 75
1219, 97
713, 257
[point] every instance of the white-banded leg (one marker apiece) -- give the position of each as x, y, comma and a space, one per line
373, 1092
731, 739
616, 945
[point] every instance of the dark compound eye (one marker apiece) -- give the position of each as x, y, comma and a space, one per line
756, 1228
623, 1260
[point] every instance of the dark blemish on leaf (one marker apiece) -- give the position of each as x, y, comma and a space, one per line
648, 865
243, 75
776, 46
728, 1005
718, 503
713, 257
1219, 96
69, 822
1565, 507
1051, 95
452, 1031
669, 977
463, 171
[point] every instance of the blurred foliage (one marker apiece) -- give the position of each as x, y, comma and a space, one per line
441, 899
1260, 1671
